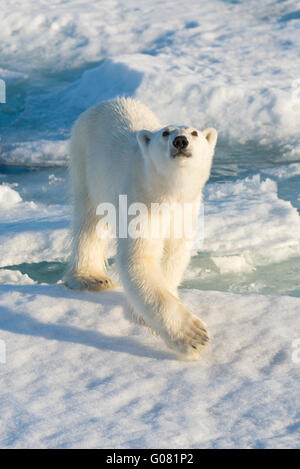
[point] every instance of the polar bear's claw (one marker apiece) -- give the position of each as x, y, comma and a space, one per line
190, 340
89, 283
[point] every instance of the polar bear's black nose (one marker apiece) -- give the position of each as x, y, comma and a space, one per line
180, 142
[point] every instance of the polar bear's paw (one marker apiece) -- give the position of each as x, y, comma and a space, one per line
78, 282
190, 340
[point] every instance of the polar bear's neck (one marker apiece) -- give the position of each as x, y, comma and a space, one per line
180, 186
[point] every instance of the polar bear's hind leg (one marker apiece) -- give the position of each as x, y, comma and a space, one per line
87, 264
87, 269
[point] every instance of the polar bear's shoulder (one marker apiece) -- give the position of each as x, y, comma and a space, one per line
127, 113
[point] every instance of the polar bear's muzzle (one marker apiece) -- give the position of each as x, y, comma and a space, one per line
180, 144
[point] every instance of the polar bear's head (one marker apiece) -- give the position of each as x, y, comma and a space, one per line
173, 147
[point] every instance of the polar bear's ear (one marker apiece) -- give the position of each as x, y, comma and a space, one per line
211, 136
143, 138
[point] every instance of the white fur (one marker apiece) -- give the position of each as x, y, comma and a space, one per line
117, 147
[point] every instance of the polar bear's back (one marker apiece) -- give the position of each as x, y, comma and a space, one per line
112, 125
129, 114
121, 116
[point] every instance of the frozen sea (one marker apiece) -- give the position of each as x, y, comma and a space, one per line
75, 372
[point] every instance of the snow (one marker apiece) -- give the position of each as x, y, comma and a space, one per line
31, 232
83, 376
35, 153
14, 277
8, 197
232, 264
248, 218
77, 372
284, 171
12, 77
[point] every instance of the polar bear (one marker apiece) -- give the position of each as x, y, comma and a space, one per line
120, 147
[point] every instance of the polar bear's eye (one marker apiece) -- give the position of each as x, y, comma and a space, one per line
165, 133
195, 133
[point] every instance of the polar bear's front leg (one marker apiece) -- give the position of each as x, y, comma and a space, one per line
148, 292
175, 259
